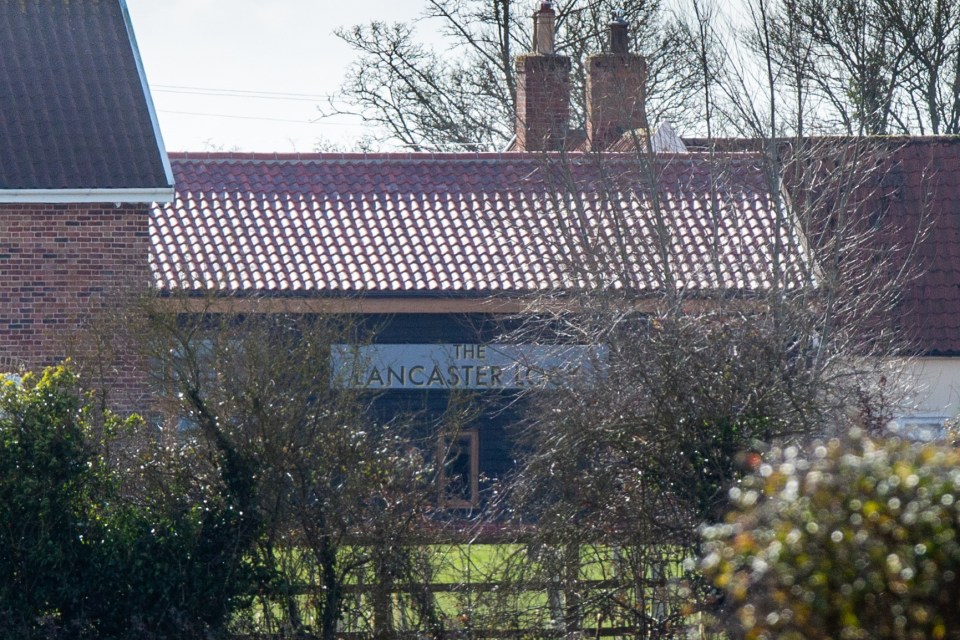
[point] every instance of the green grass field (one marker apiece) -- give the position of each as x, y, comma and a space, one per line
481, 588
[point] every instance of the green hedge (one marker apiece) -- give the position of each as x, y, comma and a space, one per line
82, 558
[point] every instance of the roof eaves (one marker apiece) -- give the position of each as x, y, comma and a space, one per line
81, 196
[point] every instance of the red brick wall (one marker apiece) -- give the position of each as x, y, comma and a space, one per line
616, 85
61, 268
543, 101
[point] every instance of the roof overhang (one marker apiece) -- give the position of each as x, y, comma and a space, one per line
345, 305
148, 96
414, 304
86, 196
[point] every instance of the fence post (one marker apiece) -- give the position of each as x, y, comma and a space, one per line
382, 597
573, 614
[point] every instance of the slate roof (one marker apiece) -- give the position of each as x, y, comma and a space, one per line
74, 109
461, 225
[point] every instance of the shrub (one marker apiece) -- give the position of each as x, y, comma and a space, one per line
45, 474
858, 540
84, 558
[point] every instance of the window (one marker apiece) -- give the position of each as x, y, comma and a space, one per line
459, 469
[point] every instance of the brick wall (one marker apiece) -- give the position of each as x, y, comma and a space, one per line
616, 85
543, 101
62, 269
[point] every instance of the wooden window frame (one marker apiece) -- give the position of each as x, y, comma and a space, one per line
444, 446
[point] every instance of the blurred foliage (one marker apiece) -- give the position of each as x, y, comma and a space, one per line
857, 540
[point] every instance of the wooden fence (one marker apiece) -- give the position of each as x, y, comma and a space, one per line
648, 609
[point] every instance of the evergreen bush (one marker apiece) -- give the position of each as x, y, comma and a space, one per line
83, 554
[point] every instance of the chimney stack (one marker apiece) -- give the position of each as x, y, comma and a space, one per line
543, 88
615, 89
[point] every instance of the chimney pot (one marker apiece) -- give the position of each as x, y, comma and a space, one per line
544, 25
619, 32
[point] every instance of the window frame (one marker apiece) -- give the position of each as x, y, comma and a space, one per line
445, 446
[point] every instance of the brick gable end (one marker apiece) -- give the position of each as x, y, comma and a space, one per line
61, 265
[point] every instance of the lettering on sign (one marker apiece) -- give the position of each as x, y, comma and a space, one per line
464, 366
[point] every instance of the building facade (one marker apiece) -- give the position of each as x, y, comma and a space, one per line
82, 164
440, 251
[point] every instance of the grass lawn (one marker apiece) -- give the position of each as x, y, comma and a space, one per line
502, 586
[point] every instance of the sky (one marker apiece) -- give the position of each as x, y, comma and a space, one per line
250, 74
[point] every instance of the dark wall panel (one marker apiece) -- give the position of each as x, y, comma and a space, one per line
496, 414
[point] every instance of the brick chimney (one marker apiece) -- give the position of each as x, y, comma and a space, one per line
615, 89
543, 88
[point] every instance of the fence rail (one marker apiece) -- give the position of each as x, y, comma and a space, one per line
482, 603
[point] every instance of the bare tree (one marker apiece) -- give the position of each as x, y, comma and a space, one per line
872, 66
336, 494
857, 67
745, 295
930, 32
464, 98
717, 358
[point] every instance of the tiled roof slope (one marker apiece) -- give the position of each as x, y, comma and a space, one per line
919, 199
73, 109
924, 189
401, 224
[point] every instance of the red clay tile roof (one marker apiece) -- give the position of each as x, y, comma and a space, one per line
919, 196
924, 180
73, 109
459, 225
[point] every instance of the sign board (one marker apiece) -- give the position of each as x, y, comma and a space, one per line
464, 366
